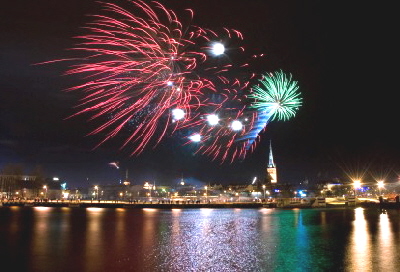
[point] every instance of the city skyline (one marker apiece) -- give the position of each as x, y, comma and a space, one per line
346, 120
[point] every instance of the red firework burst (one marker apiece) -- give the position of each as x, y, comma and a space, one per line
140, 65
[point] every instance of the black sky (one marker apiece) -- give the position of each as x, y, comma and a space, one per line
340, 53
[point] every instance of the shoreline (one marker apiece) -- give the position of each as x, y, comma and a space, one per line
136, 205
247, 205
182, 205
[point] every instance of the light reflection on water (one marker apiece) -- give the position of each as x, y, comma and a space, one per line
74, 239
95, 242
359, 248
372, 245
209, 240
386, 249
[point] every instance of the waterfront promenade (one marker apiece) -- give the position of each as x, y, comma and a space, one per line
140, 205
277, 203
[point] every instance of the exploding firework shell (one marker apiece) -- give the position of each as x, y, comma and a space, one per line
275, 98
140, 66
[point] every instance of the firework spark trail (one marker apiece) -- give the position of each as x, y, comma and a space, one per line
114, 164
139, 66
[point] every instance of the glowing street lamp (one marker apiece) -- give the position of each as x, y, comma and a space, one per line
148, 186
45, 190
357, 185
264, 189
380, 186
97, 191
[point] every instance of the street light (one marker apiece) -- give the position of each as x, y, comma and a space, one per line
45, 190
148, 187
205, 187
380, 186
357, 184
264, 190
97, 191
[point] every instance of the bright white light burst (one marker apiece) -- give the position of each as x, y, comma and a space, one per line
178, 114
218, 49
195, 137
212, 119
236, 125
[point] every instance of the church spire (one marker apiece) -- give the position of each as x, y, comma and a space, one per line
271, 168
271, 163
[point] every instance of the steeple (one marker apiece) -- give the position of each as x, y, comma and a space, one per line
271, 163
271, 168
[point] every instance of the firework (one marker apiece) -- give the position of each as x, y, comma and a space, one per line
276, 98
233, 135
114, 164
219, 132
147, 74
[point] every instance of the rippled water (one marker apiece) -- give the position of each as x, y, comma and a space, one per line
97, 239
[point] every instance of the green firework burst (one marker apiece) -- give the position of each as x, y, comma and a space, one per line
277, 96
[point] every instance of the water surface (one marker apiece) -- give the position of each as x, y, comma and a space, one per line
105, 239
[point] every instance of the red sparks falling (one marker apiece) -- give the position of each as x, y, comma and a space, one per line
141, 65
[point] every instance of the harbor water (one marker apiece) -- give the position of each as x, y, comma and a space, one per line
118, 239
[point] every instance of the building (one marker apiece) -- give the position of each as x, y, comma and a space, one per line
28, 187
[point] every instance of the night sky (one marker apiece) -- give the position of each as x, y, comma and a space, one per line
339, 52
